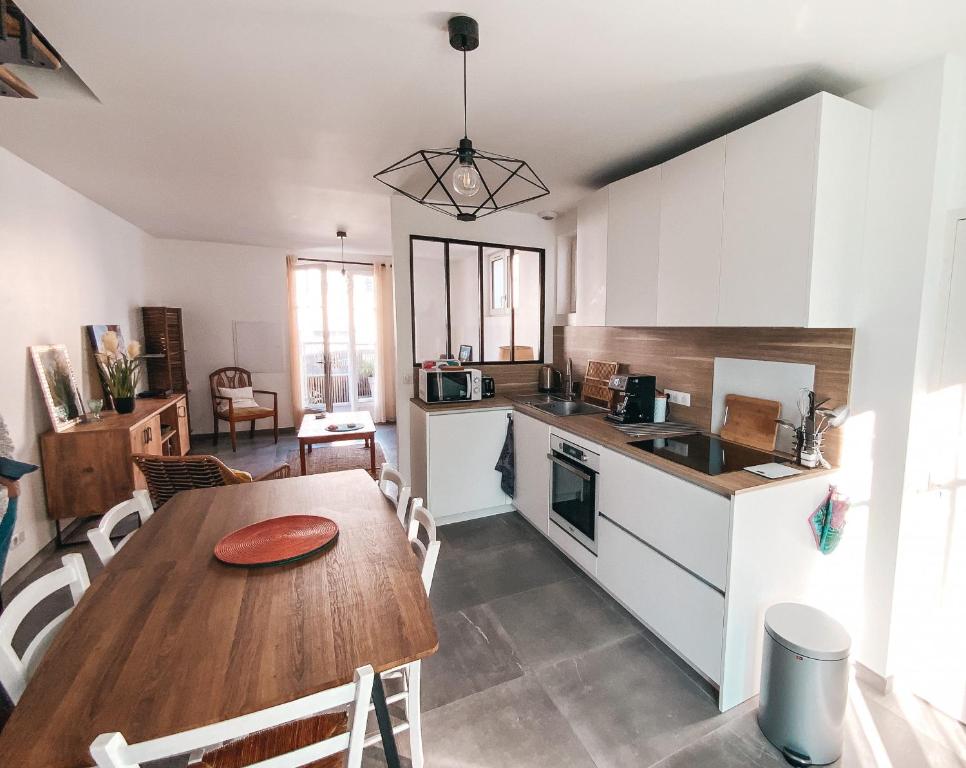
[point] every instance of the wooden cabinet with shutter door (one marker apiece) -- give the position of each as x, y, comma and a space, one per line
88, 468
164, 336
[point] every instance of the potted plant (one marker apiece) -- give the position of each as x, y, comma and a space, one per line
122, 370
367, 370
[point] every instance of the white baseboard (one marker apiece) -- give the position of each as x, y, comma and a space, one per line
473, 514
881, 684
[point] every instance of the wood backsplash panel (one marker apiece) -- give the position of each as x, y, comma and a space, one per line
683, 359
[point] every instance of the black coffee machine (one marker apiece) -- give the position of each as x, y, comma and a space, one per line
633, 398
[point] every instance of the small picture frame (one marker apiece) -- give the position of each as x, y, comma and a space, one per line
95, 334
466, 353
58, 385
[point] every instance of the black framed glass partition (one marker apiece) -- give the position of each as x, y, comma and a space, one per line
479, 302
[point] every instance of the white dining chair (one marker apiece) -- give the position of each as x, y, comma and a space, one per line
16, 670
409, 674
396, 489
100, 537
428, 549
298, 728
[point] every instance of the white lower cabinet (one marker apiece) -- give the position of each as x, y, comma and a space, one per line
531, 444
577, 553
684, 611
452, 458
689, 524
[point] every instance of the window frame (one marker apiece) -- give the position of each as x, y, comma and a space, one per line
503, 256
484, 310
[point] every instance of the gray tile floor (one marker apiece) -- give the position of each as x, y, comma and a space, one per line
537, 666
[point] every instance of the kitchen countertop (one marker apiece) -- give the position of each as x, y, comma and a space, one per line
498, 402
595, 429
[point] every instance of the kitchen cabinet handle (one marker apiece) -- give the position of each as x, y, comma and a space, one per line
570, 468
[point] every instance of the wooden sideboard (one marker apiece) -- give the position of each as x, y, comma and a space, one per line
88, 468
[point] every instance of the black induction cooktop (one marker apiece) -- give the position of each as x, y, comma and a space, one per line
705, 453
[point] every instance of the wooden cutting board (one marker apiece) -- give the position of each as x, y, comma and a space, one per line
595, 389
751, 421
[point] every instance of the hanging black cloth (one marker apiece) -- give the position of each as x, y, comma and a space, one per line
506, 465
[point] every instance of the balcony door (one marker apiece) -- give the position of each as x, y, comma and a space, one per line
337, 336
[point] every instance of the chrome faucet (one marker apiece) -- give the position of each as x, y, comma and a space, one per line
568, 387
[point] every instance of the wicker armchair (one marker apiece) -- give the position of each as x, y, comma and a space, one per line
223, 410
168, 475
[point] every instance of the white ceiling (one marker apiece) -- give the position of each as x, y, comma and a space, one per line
263, 122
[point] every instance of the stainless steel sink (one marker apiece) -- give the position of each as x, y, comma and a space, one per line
568, 407
534, 399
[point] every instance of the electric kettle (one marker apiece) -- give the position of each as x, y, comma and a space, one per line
549, 379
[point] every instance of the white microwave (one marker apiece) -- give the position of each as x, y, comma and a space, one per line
442, 386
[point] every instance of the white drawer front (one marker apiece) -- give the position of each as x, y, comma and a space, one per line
577, 553
687, 523
683, 610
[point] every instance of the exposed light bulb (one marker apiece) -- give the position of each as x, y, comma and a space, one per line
466, 180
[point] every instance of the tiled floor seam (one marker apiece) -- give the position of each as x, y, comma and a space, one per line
501, 597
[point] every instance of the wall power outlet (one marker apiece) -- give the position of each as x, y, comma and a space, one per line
679, 398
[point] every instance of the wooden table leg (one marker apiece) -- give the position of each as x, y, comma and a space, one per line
372, 456
302, 456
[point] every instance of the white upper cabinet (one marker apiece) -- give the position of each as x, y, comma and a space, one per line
794, 202
692, 187
762, 227
590, 271
633, 242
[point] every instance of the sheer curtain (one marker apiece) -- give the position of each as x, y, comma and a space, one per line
295, 357
385, 394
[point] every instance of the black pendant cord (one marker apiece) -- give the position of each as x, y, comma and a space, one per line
420, 175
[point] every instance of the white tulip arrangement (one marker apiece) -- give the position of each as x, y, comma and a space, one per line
122, 368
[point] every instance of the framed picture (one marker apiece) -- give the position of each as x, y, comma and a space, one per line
466, 353
95, 334
58, 385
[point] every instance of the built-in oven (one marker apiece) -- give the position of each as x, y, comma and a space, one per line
573, 490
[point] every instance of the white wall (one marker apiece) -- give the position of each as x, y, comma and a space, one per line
409, 218
908, 157
216, 284
464, 280
65, 262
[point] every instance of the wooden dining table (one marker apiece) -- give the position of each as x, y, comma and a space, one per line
167, 638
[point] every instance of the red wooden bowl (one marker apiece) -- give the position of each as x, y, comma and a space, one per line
276, 541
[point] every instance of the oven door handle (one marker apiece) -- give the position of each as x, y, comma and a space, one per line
570, 468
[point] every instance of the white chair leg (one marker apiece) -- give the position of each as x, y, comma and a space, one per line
414, 715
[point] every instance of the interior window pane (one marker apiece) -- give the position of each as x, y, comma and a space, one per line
496, 316
464, 293
429, 299
525, 295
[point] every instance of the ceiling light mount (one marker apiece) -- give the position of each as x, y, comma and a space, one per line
464, 33
481, 182
342, 236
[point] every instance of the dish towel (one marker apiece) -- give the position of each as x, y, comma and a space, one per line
828, 521
506, 465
